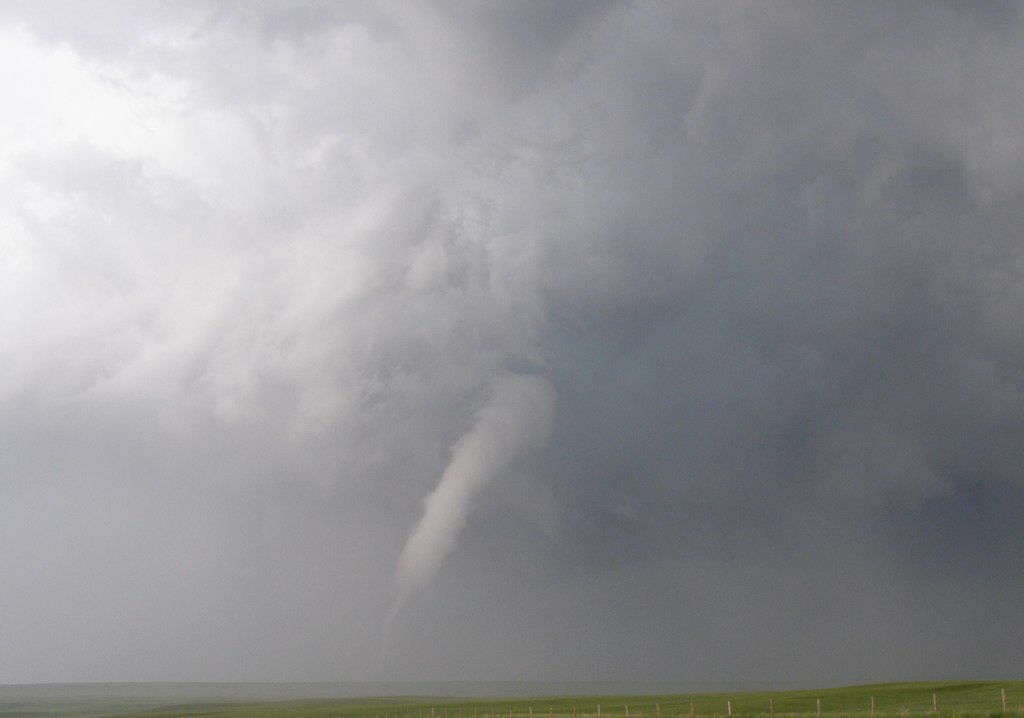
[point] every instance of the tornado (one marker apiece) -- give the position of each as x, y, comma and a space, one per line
515, 422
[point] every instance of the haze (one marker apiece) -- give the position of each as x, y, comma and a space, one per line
699, 323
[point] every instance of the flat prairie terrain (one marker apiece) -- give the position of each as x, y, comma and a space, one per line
961, 699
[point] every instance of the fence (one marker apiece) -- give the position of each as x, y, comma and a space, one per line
967, 699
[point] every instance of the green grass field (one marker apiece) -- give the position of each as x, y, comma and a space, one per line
963, 699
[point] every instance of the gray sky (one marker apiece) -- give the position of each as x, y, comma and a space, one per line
486, 340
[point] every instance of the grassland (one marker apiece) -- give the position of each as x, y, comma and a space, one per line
944, 699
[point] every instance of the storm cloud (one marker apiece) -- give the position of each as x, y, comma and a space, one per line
264, 264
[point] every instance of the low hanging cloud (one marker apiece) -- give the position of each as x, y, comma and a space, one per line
516, 420
260, 262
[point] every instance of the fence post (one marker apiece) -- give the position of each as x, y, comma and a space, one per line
872, 707
691, 709
935, 703
1002, 691
771, 707
818, 701
729, 706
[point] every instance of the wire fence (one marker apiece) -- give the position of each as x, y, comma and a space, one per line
862, 702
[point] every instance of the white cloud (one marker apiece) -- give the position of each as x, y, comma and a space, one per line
271, 255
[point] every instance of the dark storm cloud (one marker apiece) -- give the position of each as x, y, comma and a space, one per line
271, 260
